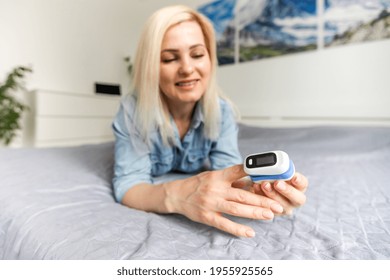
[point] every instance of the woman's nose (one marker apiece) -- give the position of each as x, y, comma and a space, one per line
186, 67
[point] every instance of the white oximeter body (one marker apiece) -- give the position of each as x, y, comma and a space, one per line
269, 166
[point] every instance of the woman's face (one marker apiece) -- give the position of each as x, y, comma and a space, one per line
185, 64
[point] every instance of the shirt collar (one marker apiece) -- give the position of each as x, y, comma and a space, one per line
198, 117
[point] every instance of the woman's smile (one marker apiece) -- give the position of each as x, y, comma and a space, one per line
187, 84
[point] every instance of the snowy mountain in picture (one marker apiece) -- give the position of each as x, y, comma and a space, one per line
348, 21
264, 27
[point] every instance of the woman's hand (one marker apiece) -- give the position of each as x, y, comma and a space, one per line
206, 197
289, 194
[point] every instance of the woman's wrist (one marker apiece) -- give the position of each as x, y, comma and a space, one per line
174, 193
168, 201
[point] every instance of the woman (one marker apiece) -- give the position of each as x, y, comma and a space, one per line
177, 120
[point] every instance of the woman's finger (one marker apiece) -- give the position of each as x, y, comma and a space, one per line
220, 222
233, 173
246, 211
299, 181
243, 183
248, 198
269, 191
295, 196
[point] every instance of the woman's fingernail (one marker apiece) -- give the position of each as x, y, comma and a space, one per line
267, 187
277, 208
280, 186
250, 233
268, 214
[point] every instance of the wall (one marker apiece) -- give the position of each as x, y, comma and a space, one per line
71, 44
341, 85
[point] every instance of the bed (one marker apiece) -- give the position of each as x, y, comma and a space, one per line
57, 203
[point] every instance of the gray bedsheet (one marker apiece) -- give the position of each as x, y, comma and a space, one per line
57, 203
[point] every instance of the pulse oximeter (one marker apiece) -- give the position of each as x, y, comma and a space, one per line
269, 166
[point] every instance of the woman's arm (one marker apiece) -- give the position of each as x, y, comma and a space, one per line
205, 198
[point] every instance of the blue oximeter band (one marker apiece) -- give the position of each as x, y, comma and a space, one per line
284, 176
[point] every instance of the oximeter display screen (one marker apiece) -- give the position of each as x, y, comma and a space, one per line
261, 160
267, 159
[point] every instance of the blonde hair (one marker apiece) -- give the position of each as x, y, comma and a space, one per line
151, 111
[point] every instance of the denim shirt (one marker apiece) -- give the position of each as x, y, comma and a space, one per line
139, 162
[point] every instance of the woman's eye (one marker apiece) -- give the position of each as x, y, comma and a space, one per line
167, 60
199, 55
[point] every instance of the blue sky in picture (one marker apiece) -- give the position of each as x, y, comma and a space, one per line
220, 12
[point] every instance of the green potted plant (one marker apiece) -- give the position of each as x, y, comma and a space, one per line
11, 109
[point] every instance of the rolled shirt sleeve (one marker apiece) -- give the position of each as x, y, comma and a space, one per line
224, 152
132, 157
